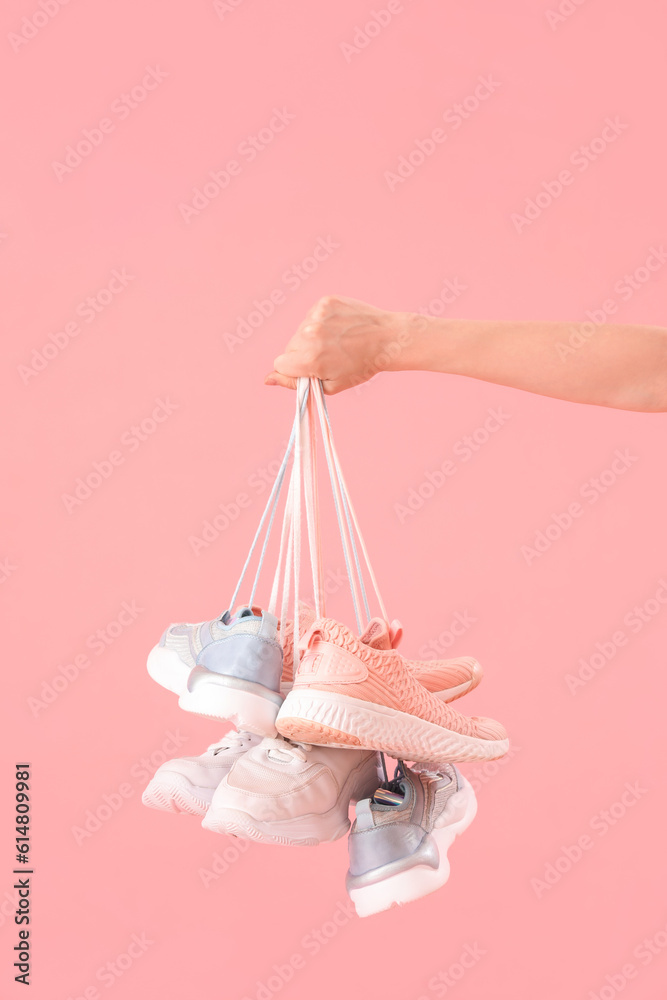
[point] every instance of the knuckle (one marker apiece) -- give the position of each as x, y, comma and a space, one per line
311, 331
324, 306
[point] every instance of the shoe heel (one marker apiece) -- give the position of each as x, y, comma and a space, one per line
251, 707
167, 669
421, 880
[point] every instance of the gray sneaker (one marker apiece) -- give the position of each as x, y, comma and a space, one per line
399, 840
226, 669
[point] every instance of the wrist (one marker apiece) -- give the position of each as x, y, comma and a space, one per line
404, 342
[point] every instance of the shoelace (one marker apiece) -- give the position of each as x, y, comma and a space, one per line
390, 792
430, 771
230, 741
286, 748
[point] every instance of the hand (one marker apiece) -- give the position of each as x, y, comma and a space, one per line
343, 342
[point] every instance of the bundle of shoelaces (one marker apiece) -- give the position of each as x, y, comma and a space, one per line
317, 704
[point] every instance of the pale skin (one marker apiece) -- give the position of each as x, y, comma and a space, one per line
345, 342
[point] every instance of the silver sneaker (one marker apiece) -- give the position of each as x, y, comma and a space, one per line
399, 841
229, 668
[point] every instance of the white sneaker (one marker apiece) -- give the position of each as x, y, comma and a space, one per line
288, 793
187, 784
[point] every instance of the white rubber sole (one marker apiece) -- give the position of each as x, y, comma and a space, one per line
172, 792
167, 669
250, 707
303, 831
407, 886
327, 718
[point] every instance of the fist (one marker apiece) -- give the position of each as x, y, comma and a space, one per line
341, 341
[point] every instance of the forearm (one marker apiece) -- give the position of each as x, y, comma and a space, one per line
619, 366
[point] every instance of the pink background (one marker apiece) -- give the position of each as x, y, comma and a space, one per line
162, 337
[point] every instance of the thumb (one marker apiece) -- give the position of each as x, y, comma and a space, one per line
275, 378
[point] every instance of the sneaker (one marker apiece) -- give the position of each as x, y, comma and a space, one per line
177, 653
349, 694
281, 792
187, 784
400, 837
226, 669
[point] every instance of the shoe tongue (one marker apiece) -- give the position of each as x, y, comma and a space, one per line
248, 612
377, 634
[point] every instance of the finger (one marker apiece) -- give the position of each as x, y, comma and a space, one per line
332, 386
294, 365
275, 378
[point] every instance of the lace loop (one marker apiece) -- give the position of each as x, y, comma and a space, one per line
290, 748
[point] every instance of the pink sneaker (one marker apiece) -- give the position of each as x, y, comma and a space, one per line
349, 694
446, 679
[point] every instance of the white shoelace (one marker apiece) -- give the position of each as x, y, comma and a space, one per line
232, 740
281, 749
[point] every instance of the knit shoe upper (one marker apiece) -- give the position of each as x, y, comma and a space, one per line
337, 661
